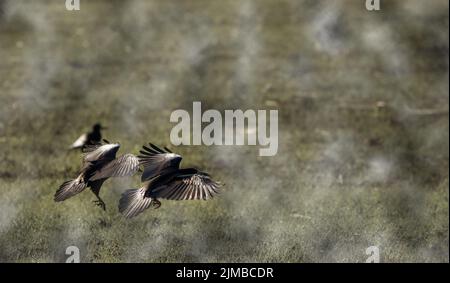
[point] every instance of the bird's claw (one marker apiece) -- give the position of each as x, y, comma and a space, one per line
156, 204
100, 203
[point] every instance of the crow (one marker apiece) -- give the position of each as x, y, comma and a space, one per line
91, 138
99, 164
163, 179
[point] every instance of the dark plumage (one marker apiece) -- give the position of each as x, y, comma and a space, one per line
99, 164
91, 138
164, 179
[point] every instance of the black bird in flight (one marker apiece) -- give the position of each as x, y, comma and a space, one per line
99, 164
91, 138
163, 179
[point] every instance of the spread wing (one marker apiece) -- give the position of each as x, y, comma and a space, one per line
187, 187
157, 161
80, 141
125, 165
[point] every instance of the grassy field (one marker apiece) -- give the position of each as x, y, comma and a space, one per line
363, 154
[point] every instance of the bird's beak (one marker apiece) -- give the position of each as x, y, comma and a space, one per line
103, 128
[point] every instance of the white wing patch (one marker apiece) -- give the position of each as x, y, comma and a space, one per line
80, 141
101, 152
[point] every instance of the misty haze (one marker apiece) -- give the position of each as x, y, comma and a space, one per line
363, 128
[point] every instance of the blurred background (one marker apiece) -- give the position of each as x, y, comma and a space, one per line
363, 127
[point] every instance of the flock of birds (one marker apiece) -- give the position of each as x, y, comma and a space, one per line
162, 176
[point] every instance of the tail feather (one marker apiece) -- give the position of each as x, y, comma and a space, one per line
134, 202
69, 188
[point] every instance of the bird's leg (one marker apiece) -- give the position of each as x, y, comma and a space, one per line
155, 203
99, 201
95, 188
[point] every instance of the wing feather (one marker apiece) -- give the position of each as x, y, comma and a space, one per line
157, 161
100, 152
125, 165
187, 187
80, 141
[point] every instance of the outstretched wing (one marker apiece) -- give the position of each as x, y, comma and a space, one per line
125, 165
187, 187
157, 161
69, 189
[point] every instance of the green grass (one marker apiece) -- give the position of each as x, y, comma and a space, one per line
348, 175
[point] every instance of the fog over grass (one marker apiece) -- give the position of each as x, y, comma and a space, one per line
362, 100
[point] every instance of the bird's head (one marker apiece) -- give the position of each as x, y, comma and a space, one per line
98, 127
